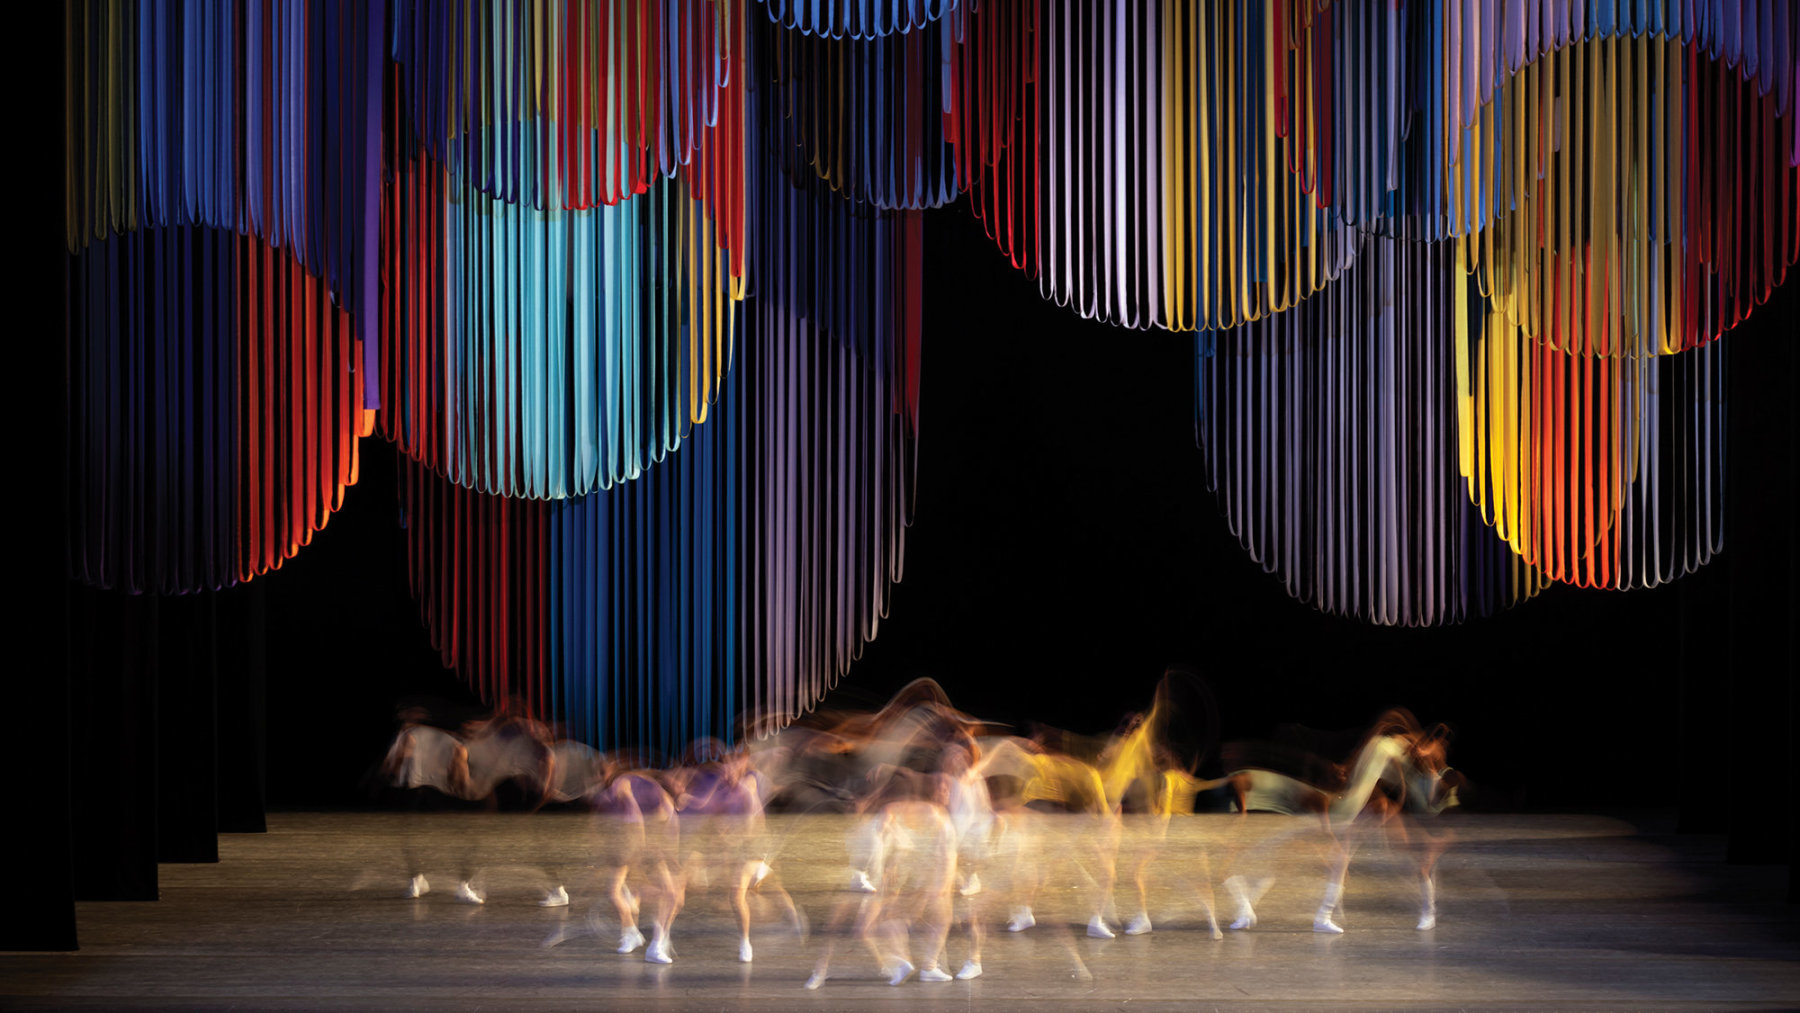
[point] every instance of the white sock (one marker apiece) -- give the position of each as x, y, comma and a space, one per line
1334, 891
1428, 903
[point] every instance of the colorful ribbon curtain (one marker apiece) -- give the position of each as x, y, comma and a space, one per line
259, 116
549, 353
222, 167
214, 409
1329, 434
634, 289
865, 115
574, 103
856, 19
1599, 471
1129, 156
730, 586
1160, 164
1643, 200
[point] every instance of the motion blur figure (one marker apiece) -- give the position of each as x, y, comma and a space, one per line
938, 811
1065, 801
971, 810
427, 770
512, 765
1398, 773
724, 839
1148, 788
1051, 828
637, 829
915, 882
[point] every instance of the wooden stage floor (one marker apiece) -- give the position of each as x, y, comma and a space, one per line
1562, 911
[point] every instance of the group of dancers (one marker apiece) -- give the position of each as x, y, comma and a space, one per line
951, 821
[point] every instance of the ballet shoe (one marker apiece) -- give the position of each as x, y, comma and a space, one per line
558, 897
1021, 920
859, 881
658, 951
817, 979
468, 894
1139, 925
744, 953
1323, 923
630, 939
935, 974
1246, 919
1097, 929
760, 873
973, 886
418, 887
1428, 921
901, 970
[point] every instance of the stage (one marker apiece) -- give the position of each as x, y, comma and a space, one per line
1554, 910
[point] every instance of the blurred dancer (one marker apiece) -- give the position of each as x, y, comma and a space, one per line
724, 840
512, 766
637, 829
1147, 788
916, 879
427, 770
1050, 824
1399, 768
971, 810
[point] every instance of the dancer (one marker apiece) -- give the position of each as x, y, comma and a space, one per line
917, 877
637, 828
1399, 767
427, 770
972, 815
722, 813
512, 766
1148, 788
1051, 825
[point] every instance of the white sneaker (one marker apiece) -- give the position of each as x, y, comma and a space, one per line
630, 939
658, 950
935, 974
859, 881
744, 953
973, 886
1323, 923
558, 897
1021, 920
468, 894
900, 972
972, 969
1097, 928
1139, 925
817, 979
1428, 921
418, 887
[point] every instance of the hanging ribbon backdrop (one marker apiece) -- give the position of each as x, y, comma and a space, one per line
634, 290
